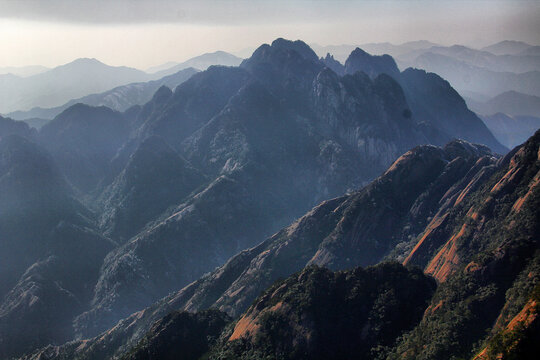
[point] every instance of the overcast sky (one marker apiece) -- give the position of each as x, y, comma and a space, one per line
142, 33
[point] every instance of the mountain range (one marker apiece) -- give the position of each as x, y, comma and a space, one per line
174, 195
467, 218
23, 71
21, 90
119, 98
510, 103
73, 80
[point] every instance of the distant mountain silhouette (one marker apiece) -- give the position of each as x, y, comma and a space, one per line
70, 81
120, 98
507, 47
201, 62
23, 71
466, 77
511, 130
510, 102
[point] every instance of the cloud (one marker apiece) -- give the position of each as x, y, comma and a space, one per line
168, 11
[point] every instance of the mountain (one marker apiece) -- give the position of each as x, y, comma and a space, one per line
155, 178
511, 47
533, 51
359, 60
511, 130
23, 71
484, 253
365, 223
9, 126
436, 104
50, 250
467, 218
73, 80
201, 62
83, 140
431, 99
510, 102
282, 121
317, 314
466, 77
247, 150
483, 59
120, 98
341, 52
181, 335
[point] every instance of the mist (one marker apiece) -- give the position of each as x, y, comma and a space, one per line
147, 33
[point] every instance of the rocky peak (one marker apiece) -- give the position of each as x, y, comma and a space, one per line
333, 64
373, 65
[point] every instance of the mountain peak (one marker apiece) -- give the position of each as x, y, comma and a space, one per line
83, 62
163, 93
373, 65
299, 46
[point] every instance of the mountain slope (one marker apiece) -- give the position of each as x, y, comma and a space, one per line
180, 335
486, 279
50, 251
83, 140
155, 178
432, 101
270, 139
260, 137
317, 314
485, 253
342, 225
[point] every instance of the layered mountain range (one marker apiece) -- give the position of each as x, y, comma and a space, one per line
119, 98
500, 78
467, 218
25, 92
167, 192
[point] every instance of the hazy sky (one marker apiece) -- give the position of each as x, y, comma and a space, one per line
142, 33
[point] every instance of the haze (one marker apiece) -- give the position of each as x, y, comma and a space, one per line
146, 33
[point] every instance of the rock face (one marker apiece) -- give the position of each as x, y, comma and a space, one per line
484, 252
232, 155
